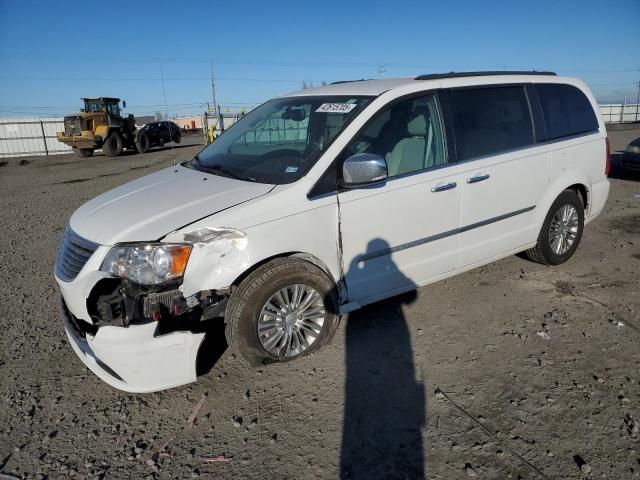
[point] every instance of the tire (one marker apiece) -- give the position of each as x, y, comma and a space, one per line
83, 152
112, 146
178, 138
142, 142
245, 308
544, 251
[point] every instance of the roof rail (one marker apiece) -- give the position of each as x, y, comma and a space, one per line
349, 81
437, 76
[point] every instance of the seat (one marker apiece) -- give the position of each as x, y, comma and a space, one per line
409, 153
394, 130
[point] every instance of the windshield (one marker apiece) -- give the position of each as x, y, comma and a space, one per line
94, 105
281, 140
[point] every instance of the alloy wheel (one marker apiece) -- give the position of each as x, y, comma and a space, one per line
563, 229
291, 320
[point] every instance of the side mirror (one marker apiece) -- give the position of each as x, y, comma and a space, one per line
363, 169
124, 104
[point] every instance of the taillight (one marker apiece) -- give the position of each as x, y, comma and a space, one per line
607, 164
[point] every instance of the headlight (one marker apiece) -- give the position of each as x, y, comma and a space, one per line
147, 264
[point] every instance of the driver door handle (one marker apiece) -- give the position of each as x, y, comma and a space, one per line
441, 187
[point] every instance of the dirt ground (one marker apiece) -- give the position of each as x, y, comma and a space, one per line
513, 370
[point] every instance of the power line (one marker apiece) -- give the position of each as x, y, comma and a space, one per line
330, 63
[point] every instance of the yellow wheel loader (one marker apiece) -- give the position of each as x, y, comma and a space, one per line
100, 125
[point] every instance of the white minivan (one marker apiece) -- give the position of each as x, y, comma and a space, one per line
322, 201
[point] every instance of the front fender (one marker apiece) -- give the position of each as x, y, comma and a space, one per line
221, 255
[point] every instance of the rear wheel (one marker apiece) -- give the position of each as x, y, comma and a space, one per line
177, 138
83, 152
112, 146
561, 231
142, 142
283, 310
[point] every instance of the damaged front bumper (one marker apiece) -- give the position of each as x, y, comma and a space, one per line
135, 358
134, 338
137, 338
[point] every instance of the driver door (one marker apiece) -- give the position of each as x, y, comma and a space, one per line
400, 234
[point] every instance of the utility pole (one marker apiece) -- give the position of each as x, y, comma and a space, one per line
381, 70
164, 91
220, 119
213, 89
638, 101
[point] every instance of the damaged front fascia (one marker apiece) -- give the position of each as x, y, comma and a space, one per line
121, 302
218, 257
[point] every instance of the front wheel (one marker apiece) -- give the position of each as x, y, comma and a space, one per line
112, 146
283, 310
561, 231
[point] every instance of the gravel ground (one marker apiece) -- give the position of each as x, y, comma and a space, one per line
512, 370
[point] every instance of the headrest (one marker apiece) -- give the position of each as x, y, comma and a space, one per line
417, 126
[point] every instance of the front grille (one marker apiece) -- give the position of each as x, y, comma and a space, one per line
74, 253
72, 126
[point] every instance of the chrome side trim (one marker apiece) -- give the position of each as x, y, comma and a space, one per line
439, 236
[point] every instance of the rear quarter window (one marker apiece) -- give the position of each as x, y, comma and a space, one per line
566, 110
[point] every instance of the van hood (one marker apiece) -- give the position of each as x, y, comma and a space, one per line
149, 208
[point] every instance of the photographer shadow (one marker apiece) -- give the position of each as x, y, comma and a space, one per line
384, 411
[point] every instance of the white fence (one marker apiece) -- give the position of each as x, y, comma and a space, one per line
620, 113
21, 137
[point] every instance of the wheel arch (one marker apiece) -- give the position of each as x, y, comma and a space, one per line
578, 183
301, 255
582, 192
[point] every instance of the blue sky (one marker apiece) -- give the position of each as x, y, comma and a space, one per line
53, 53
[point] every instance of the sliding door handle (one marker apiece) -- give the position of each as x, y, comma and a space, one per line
478, 178
444, 186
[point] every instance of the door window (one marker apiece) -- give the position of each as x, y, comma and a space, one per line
488, 121
408, 135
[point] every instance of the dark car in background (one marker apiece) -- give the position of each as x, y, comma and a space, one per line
631, 156
160, 133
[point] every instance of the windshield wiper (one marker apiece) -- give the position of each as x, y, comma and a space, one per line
219, 169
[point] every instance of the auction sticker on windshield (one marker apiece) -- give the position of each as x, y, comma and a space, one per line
336, 107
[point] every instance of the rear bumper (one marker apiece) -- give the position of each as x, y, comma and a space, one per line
134, 359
